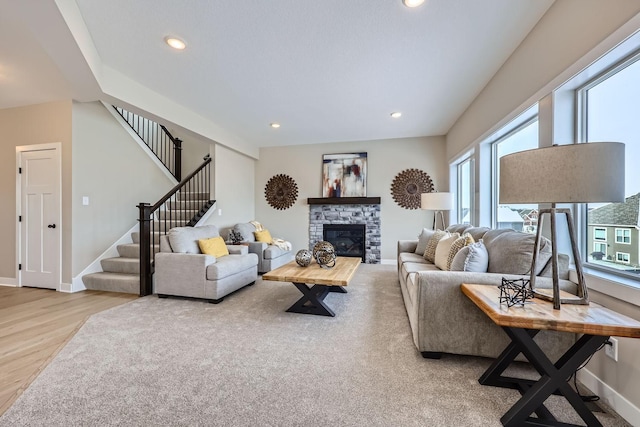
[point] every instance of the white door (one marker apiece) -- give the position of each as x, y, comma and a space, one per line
40, 217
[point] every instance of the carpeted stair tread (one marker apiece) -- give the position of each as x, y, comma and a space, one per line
132, 250
179, 213
113, 282
121, 265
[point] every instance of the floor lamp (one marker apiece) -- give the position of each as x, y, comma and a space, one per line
576, 173
438, 202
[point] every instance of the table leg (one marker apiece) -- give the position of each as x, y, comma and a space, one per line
553, 378
312, 301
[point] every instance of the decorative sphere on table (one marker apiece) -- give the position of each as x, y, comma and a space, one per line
324, 254
303, 257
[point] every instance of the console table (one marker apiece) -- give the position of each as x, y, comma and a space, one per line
521, 324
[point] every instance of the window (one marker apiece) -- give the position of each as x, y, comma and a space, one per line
519, 137
600, 234
465, 191
623, 235
599, 251
608, 107
622, 257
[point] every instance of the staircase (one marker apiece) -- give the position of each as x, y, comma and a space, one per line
122, 273
184, 205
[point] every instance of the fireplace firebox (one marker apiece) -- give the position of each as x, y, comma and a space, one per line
348, 239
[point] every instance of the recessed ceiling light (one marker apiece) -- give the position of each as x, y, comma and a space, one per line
412, 3
396, 114
275, 125
175, 43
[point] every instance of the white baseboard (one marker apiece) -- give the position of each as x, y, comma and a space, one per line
615, 400
77, 284
388, 261
66, 288
8, 281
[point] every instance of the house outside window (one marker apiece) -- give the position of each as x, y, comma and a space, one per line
519, 136
623, 235
622, 257
607, 111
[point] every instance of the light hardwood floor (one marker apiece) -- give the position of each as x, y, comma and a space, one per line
34, 325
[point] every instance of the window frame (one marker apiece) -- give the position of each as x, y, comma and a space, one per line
628, 256
529, 117
471, 162
595, 239
623, 236
581, 103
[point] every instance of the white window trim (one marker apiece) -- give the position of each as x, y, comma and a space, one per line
623, 236
595, 239
623, 261
598, 249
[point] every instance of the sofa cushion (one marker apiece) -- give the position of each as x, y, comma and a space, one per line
214, 246
511, 252
423, 238
273, 252
473, 258
477, 232
411, 257
230, 265
443, 249
563, 267
246, 230
457, 228
432, 244
263, 236
460, 242
185, 239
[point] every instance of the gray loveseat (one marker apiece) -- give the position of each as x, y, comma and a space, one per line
444, 320
182, 270
270, 256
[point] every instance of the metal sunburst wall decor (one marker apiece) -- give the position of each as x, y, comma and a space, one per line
408, 185
281, 191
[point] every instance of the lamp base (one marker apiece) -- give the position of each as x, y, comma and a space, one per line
565, 297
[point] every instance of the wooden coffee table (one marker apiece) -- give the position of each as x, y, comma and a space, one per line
594, 322
324, 280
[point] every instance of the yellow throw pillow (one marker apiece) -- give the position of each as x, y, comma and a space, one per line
214, 246
263, 236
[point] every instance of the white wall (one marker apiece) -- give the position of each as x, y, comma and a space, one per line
386, 158
233, 188
570, 30
115, 173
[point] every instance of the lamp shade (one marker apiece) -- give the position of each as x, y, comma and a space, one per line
575, 173
436, 201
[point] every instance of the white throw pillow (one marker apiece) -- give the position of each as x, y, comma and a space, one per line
443, 249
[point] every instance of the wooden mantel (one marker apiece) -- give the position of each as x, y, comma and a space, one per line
344, 201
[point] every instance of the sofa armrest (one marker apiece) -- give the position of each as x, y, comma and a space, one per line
238, 249
407, 245
181, 274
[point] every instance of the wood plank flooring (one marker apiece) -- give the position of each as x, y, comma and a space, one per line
35, 324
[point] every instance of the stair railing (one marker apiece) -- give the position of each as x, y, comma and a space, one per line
166, 147
183, 205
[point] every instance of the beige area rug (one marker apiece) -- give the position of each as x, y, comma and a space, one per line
246, 362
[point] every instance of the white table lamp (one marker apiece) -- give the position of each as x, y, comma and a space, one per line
437, 202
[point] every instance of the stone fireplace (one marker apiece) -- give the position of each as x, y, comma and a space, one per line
339, 214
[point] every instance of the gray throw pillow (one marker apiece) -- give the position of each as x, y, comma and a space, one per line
423, 238
245, 229
473, 258
511, 252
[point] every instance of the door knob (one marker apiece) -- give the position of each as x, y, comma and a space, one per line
51, 226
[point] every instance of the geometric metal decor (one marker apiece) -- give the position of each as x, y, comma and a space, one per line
408, 185
281, 191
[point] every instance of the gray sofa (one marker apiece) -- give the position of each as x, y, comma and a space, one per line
182, 270
444, 320
270, 256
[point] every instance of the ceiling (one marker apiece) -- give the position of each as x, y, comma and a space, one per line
327, 71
